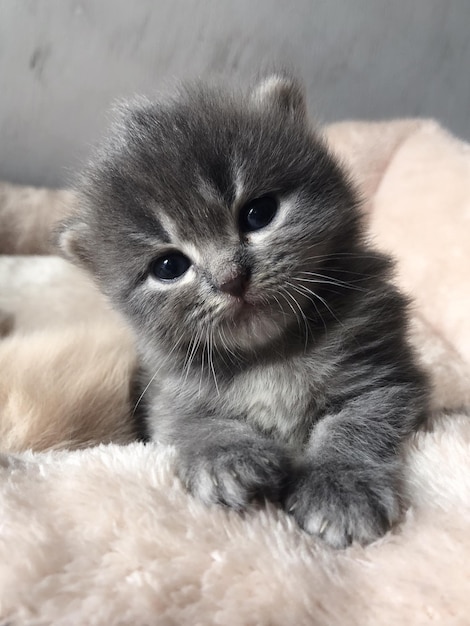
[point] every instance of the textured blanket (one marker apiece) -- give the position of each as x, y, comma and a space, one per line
106, 535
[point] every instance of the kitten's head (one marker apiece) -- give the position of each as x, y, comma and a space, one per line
202, 215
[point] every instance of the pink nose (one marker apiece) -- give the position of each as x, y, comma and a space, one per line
235, 285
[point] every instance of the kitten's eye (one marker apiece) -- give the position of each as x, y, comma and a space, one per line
257, 214
170, 266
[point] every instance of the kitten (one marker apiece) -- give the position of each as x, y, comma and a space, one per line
273, 341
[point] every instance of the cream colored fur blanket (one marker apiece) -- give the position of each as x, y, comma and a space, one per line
106, 535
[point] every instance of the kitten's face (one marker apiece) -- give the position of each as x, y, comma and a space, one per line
202, 215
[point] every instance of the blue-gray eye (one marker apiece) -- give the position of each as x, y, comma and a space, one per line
257, 214
170, 266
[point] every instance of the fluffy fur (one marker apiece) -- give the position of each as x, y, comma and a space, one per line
107, 535
28, 215
66, 375
301, 384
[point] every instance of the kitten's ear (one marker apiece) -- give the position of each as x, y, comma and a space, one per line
72, 239
283, 93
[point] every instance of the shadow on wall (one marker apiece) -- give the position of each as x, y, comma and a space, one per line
63, 62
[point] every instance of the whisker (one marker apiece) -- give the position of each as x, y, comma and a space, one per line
302, 293
273, 295
211, 360
282, 292
196, 344
343, 271
226, 348
202, 362
302, 314
186, 356
139, 400
220, 350
330, 281
342, 255
325, 304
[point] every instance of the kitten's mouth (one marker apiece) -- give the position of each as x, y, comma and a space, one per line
244, 311
250, 323
243, 308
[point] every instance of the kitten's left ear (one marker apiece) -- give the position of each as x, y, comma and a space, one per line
72, 238
283, 93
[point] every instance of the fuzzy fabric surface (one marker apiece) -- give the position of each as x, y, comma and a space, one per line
106, 535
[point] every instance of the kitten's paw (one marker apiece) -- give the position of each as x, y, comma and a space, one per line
343, 503
235, 474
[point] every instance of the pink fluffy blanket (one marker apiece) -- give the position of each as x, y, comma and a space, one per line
106, 535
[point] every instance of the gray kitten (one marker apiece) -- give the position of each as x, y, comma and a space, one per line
273, 341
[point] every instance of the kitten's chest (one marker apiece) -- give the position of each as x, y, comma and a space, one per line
278, 399
283, 400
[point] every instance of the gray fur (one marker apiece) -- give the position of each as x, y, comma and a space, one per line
307, 394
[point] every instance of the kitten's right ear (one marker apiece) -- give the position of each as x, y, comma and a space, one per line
283, 93
73, 237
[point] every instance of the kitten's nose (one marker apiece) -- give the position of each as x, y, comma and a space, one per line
235, 285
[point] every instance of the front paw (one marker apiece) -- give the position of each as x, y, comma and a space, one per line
343, 502
235, 473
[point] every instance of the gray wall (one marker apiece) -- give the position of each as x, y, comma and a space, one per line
63, 61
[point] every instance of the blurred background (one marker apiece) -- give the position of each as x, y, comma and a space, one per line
62, 62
